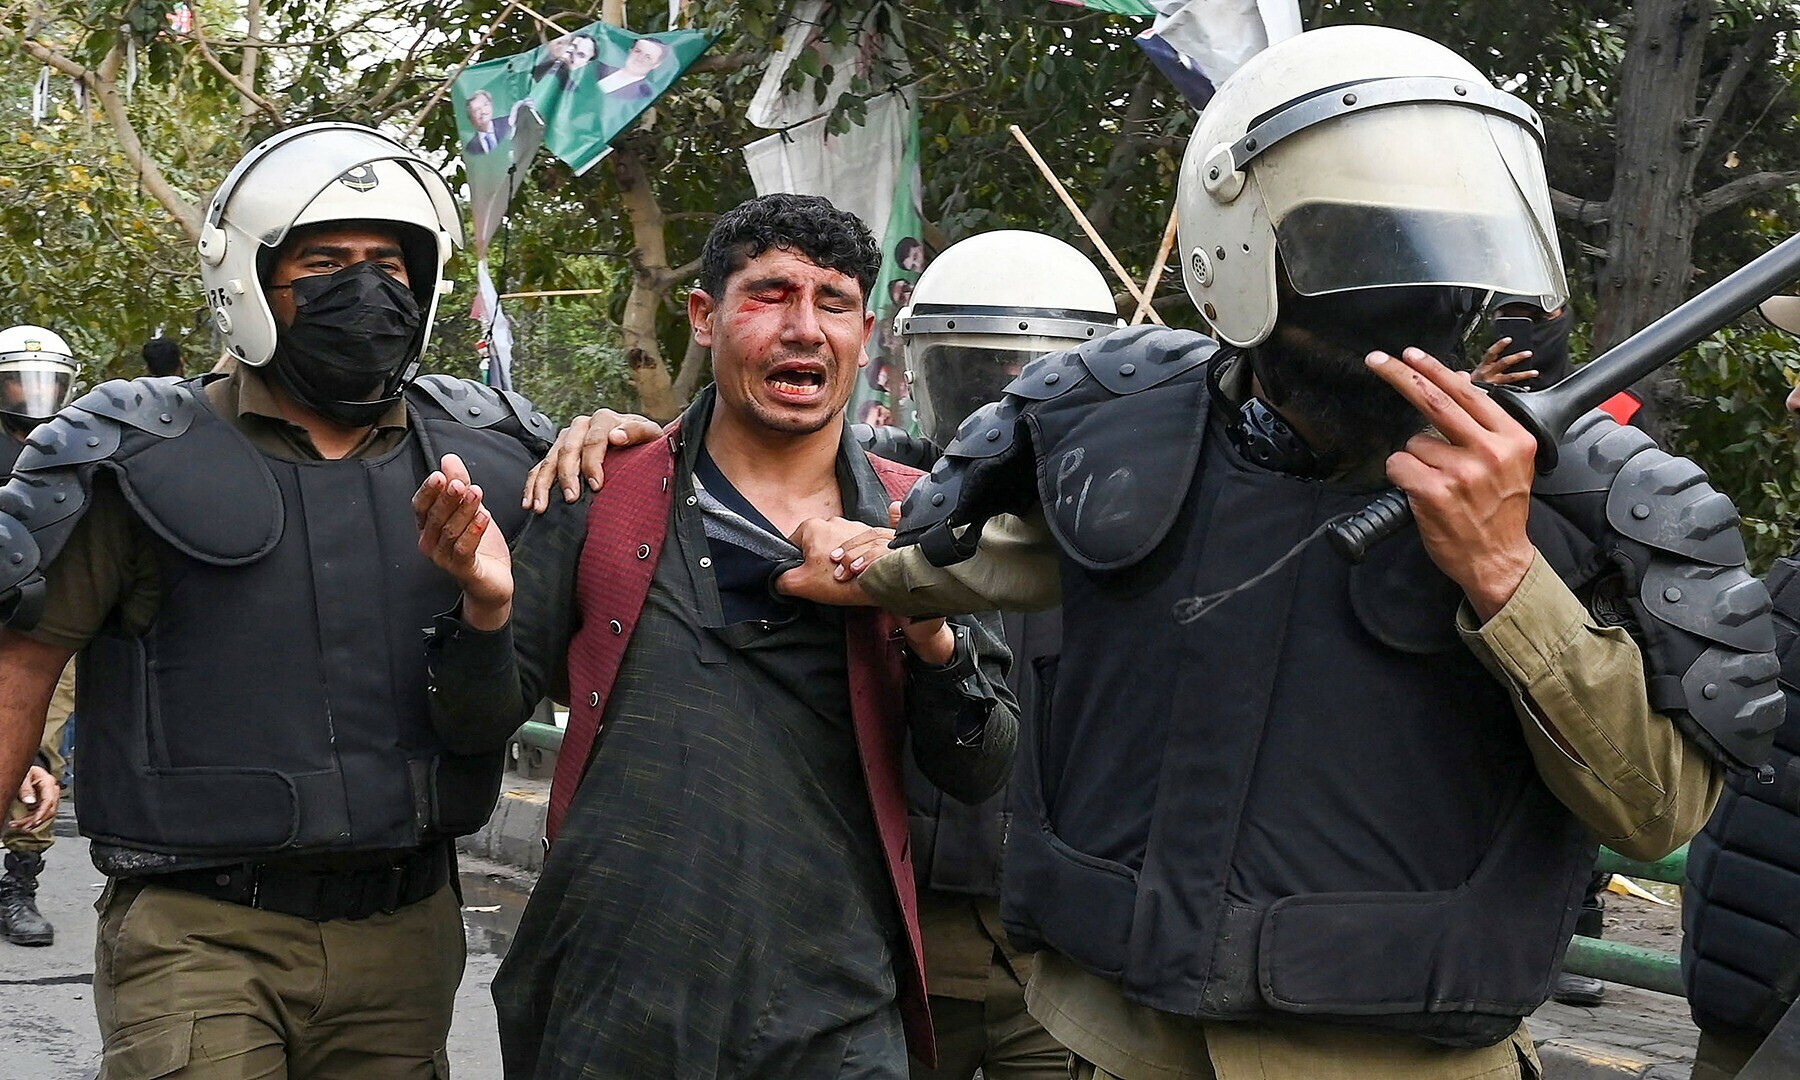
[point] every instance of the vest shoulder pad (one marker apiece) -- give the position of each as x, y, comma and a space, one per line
990, 469
164, 407
477, 405
51, 484
1703, 621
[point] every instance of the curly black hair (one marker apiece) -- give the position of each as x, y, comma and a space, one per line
805, 224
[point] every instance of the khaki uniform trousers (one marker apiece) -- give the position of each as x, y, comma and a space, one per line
996, 1036
62, 704
189, 988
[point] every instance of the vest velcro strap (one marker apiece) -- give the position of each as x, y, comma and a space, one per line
1665, 693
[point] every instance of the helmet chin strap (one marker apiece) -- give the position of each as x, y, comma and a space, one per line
1259, 433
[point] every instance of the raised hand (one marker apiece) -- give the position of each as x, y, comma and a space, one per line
1469, 482
458, 534
1498, 370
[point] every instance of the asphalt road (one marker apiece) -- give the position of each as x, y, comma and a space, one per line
47, 1028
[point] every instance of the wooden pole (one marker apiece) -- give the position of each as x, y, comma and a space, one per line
1162, 259
1131, 285
555, 292
545, 19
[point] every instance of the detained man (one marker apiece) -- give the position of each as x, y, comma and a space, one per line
729, 891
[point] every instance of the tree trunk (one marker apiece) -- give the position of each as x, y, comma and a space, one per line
1653, 211
650, 279
249, 57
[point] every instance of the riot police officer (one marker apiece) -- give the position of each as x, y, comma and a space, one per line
982, 309
1285, 817
37, 376
235, 558
1740, 964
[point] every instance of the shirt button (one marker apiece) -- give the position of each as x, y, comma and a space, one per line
594, 699
692, 499
616, 626
705, 561
643, 551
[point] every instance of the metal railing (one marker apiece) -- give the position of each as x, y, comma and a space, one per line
532, 751
1633, 965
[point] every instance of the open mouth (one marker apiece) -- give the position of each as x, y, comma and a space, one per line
798, 381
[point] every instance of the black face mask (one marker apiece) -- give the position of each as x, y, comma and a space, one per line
1547, 338
1312, 365
352, 345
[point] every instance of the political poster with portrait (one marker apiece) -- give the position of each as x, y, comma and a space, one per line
587, 87
885, 397
573, 95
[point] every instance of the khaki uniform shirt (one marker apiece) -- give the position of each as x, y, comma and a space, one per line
1619, 766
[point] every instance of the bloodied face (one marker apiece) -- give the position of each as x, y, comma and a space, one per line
787, 337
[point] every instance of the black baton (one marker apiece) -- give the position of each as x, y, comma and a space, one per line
1548, 413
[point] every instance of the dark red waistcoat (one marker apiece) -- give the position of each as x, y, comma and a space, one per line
627, 523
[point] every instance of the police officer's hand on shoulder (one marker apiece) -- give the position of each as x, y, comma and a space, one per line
580, 453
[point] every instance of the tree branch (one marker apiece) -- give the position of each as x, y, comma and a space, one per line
724, 64
104, 81
402, 74
253, 101
1743, 189
1581, 211
1124, 154
669, 279
1743, 59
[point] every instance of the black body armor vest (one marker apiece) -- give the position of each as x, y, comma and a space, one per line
1740, 948
1312, 799
277, 704
10, 448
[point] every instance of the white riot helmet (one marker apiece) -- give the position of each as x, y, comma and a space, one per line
308, 175
1783, 312
37, 373
987, 306
1364, 157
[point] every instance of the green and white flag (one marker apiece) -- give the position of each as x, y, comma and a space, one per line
575, 95
588, 86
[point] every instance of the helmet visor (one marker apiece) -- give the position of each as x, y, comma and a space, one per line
1425, 194
951, 379
34, 392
